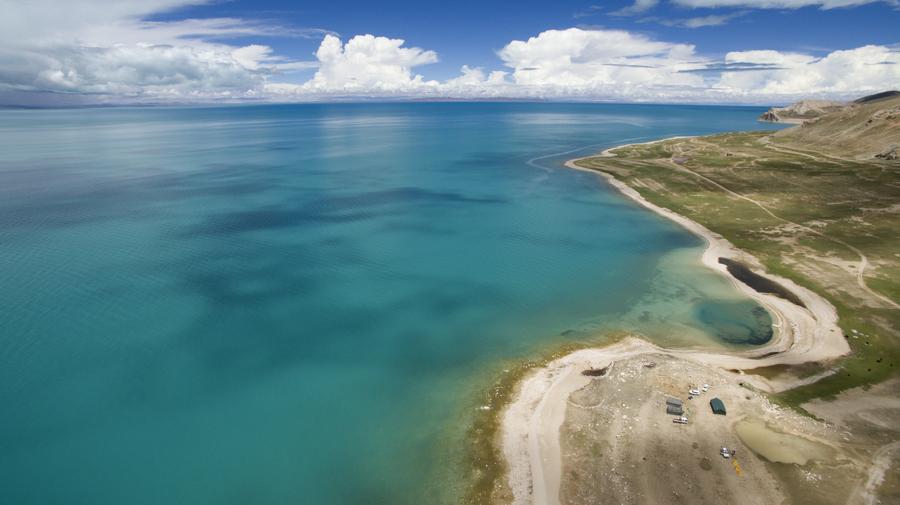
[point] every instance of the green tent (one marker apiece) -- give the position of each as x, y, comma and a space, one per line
717, 406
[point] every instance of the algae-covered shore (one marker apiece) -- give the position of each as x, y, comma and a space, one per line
485, 467
814, 233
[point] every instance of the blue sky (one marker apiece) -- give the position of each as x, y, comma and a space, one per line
471, 32
649, 50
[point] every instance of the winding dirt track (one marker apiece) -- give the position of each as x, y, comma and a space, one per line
881, 463
863, 259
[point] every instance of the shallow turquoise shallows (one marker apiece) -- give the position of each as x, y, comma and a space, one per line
278, 305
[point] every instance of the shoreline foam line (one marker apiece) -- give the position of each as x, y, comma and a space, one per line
531, 422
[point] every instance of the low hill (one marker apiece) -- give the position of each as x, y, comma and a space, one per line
877, 96
800, 111
867, 128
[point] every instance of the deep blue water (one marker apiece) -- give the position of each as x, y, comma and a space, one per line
294, 303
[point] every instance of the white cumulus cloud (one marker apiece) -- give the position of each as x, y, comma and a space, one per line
843, 73
368, 64
106, 48
597, 64
476, 76
108, 51
607, 63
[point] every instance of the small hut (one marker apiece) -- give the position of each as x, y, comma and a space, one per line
675, 410
718, 407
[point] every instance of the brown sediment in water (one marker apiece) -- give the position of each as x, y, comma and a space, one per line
777, 446
758, 282
801, 371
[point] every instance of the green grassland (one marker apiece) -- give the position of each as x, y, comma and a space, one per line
823, 210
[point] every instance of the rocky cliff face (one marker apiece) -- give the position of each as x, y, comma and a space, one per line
889, 154
770, 116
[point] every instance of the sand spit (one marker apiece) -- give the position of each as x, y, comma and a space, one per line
531, 423
801, 335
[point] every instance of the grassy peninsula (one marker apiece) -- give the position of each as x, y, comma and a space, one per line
818, 204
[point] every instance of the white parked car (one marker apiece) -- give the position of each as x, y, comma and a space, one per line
680, 420
705, 388
725, 453
695, 392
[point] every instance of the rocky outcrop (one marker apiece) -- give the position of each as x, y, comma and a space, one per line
889, 154
770, 116
801, 111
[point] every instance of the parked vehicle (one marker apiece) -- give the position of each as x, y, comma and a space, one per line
725, 453
680, 420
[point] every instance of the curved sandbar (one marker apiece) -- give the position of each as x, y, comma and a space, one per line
531, 423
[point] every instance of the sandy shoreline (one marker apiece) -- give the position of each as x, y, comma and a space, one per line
531, 423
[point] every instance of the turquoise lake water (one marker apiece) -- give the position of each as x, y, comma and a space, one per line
293, 304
